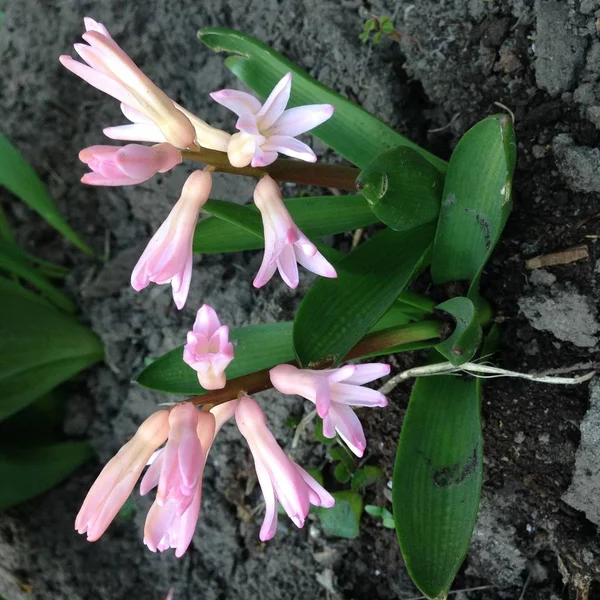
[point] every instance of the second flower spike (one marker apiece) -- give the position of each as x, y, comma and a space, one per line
168, 256
285, 244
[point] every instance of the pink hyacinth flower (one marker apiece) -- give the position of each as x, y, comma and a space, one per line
208, 350
285, 244
268, 129
177, 470
110, 70
119, 476
334, 391
168, 256
127, 165
280, 478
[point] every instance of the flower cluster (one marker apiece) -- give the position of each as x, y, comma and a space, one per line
174, 443
264, 131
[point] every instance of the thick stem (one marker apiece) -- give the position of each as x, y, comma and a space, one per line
391, 339
294, 171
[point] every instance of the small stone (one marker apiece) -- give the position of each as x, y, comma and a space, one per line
538, 151
544, 438
519, 437
509, 62
579, 165
542, 277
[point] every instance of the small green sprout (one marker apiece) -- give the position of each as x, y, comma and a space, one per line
387, 519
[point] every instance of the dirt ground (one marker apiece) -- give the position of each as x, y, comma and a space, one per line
457, 61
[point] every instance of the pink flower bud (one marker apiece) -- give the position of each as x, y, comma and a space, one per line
334, 391
168, 256
267, 130
110, 70
119, 476
280, 478
208, 350
285, 244
127, 165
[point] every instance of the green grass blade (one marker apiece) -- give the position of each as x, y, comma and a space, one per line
437, 479
18, 176
31, 471
40, 347
476, 201
352, 132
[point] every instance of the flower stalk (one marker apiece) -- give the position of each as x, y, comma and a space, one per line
292, 171
380, 342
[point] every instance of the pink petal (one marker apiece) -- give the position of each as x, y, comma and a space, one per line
99, 80
136, 132
248, 124
99, 179
368, 372
269, 526
323, 497
290, 147
240, 103
288, 267
355, 395
298, 120
181, 283
348, 427
262, 159
275, 104
316, 264
91, 25
135, 116
207, 321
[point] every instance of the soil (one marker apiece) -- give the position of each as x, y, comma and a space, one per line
455, 63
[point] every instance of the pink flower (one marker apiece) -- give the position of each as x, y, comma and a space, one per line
177, 469
280, 478
119, 476
334, 391
285, 244
168, 256
208, 350
110, 70
127, 165
268, 129
142, 129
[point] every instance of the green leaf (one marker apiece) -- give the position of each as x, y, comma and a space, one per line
365, 477
369, 25
437, 479
32, 471
342, 519
234, 228
40, 347
462, 345
13, 261
351, 131
476, 201
373, 510
341, 473
336, 313
402, 188
17, 175
256, 347
388, 523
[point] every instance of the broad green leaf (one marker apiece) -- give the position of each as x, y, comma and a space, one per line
28, 472
462, 345
402, 188
18, 176
351, 131
256, 347
476, 201
13, 261
343, 518
437, 479
40, 347
341, 473
336, 313
234, 228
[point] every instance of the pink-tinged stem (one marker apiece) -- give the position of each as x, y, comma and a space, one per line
379, 341
294, 171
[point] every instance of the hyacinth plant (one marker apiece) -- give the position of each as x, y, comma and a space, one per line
426, 219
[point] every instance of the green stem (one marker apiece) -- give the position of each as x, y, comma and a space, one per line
294, 171
386, 341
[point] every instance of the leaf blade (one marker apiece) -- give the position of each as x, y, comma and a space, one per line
437, 479
17, 175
